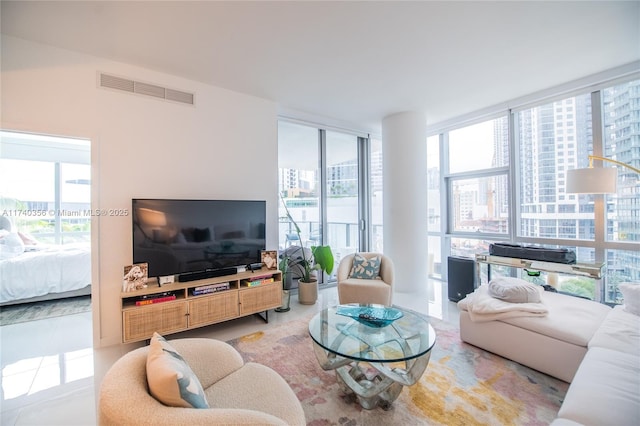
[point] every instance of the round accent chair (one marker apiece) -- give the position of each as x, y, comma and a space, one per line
363, 288
237, 393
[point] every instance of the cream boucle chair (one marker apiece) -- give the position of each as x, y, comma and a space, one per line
238, 393
357, 290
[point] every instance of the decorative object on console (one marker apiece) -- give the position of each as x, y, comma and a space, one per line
595, 180
269, 258
135, 277
166, 280
321, 259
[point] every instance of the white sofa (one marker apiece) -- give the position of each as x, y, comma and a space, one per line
590, 345
606, 387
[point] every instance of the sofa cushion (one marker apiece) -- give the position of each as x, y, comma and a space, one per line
170, 379
257, 387
619, 331
604, 390
631, 296
364, 268
514, 290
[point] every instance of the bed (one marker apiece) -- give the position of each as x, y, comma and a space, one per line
46, 273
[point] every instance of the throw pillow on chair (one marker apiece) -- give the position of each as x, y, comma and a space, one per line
365, 268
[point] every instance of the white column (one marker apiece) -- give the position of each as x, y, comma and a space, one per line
404, 171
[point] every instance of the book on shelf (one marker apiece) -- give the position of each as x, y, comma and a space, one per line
259, 277
224, 285
155, 295
208, 291
151, 301
256, 282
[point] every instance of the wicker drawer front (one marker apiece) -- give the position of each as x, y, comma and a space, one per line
212, 309
140, 323
262, 298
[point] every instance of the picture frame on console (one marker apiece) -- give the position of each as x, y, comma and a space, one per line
135, 277
269, 259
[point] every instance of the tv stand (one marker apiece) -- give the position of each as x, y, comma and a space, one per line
189, 310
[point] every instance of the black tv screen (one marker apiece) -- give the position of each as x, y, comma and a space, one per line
178, 236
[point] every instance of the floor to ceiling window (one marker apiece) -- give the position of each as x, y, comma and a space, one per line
434, 203
621, 141
342, 193
298, 174
477, 185
552, 138
322, 183
376, 195
506, 181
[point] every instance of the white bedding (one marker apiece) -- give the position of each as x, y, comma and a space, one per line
54, 269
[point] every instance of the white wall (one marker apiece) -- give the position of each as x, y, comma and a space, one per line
223, 148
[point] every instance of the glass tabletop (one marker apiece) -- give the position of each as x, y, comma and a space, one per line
378, 334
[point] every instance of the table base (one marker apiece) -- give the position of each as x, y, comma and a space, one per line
379, 385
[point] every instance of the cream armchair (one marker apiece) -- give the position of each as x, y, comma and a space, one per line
239, 393
358, 290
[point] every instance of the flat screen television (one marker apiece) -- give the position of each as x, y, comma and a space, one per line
179, 236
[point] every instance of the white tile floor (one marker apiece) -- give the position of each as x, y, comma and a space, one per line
51, 373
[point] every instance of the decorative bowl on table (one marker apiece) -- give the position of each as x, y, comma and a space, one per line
373, 316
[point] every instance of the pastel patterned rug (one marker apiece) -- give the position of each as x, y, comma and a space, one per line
462, 385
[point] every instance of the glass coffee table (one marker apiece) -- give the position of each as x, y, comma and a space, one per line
375, 350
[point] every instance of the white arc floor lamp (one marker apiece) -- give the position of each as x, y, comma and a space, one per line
595, 180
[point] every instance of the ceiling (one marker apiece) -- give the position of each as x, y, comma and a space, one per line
356, 62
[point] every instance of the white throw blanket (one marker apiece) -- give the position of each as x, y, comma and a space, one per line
483, 307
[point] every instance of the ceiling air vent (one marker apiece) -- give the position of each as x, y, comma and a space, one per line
131, 86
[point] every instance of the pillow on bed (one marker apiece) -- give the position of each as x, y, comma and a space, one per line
170, 379
514, 290
11, 245
631, 297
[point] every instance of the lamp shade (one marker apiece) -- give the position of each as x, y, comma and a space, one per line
593, 180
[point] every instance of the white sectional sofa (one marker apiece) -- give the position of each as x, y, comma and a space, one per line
588, 344
606, 387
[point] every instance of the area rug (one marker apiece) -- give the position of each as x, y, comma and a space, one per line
462, 385
15, 314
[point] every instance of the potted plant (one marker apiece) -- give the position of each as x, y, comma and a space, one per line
321, 259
